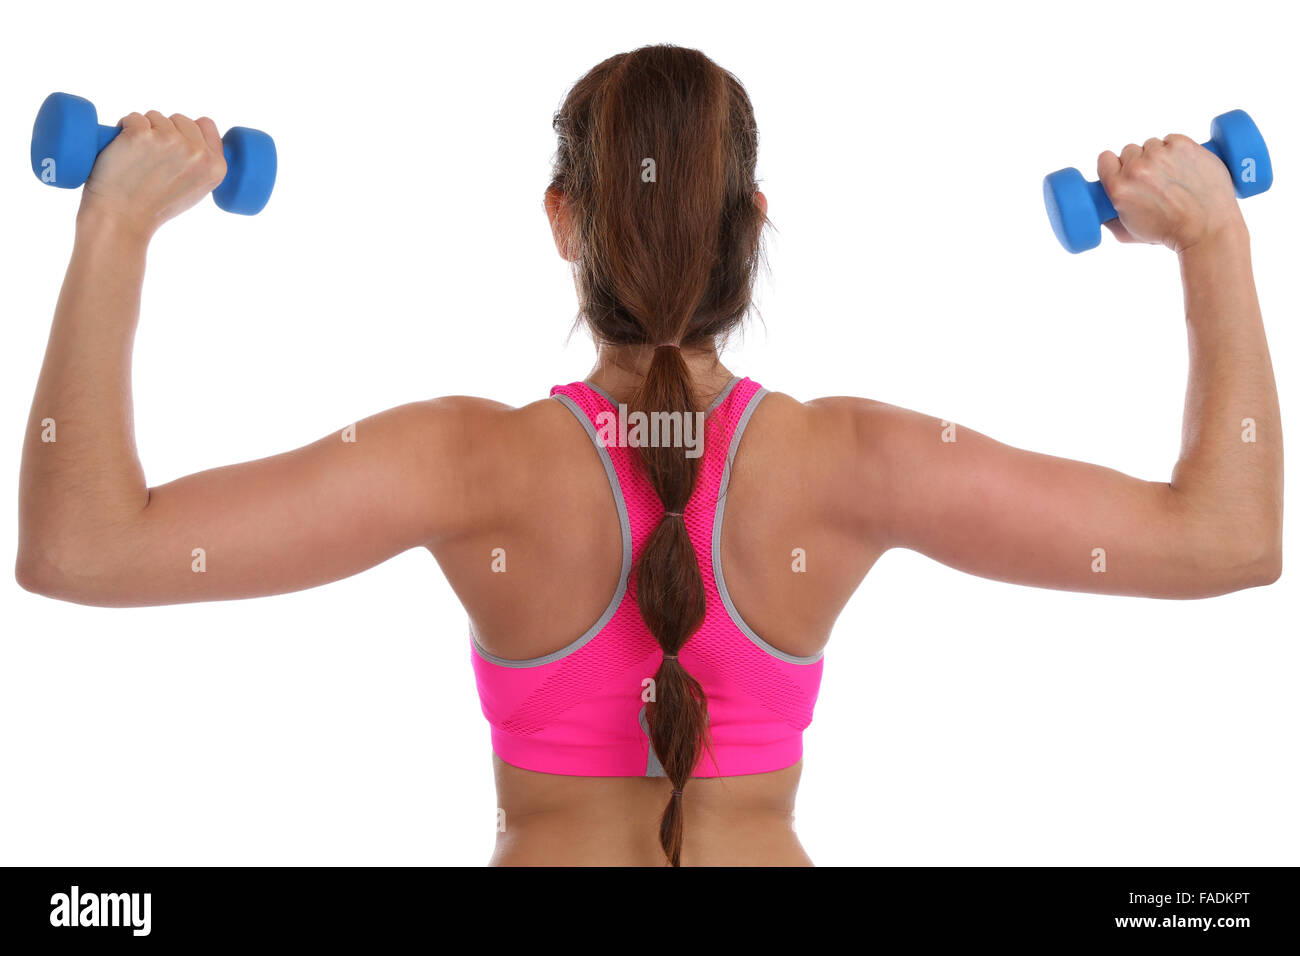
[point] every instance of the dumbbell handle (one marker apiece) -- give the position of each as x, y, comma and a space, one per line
1105, 210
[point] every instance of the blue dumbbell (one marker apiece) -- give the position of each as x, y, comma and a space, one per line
1077, 207
67, 137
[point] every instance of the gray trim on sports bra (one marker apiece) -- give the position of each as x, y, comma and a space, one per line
623, 523
653, 768
717, 545
722, 396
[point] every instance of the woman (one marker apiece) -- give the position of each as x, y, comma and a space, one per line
649, 598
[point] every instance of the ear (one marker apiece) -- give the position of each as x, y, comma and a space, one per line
761, 200
557, 212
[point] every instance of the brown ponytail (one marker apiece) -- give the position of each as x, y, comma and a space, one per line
656, 157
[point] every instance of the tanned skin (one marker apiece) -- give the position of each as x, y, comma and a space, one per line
844, 478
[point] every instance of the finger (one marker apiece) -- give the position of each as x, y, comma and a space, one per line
158, 121
1129, 153
1153, 144
1107, 167
1178, 139
133, 121
188, 128
210, 134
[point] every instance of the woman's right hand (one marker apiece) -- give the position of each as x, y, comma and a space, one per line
1171, 191
155, 169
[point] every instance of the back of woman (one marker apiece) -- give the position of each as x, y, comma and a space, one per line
569, 558
652, 558
622, 506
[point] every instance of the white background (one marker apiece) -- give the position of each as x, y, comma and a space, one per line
405, 255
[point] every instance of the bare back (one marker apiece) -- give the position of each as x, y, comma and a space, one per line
561, 542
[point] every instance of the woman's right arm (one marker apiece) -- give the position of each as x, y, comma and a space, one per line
1013, 515
90, 527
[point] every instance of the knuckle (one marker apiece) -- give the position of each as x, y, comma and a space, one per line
196, 153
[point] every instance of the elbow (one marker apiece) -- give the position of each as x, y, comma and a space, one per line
1212, 563
36, 571
54, 574
1265, 550
40, 566
1255, 563
98, 566
1268, 567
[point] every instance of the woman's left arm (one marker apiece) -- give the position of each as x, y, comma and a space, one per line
90, 528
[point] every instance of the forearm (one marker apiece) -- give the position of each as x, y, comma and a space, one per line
88, 478
1229, 471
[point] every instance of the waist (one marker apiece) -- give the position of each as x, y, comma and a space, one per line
547, 819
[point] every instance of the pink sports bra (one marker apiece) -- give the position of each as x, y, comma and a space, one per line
579, 710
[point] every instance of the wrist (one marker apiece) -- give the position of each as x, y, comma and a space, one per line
100, 223
1230, 235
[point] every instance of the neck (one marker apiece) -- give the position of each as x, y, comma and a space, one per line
619, 370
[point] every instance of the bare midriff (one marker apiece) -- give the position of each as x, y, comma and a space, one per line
552, 820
